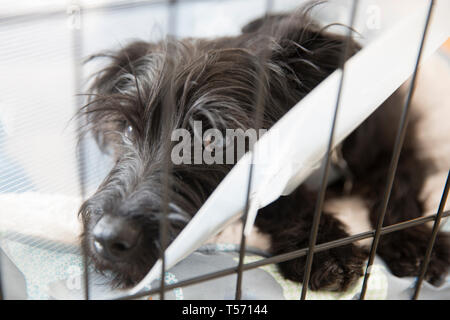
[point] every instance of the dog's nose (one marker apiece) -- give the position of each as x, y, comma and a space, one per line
115, 237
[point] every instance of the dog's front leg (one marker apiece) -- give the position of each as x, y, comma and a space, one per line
288, 221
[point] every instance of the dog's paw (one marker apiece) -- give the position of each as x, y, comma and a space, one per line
332, 270
439, 265
404, 252
336, 276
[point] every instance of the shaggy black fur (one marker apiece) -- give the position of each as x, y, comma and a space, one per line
215, 81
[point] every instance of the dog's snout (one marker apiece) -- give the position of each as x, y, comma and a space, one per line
115, 237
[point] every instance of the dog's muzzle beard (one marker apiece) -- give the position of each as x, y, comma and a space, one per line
121, 235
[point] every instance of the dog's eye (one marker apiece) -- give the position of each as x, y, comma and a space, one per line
215, 142
95, 212
128, 132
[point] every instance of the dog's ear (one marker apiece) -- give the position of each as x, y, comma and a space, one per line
120, 62
112, 102
303, 40
255, 25
303, 48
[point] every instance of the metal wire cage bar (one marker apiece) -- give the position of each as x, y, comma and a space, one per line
395, 155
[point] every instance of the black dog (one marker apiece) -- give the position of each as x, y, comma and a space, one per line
150, 89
